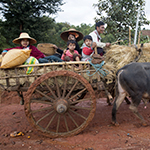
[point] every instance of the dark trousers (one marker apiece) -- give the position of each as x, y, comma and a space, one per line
51, 58
100, 51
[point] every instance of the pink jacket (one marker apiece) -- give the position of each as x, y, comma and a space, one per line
69, 54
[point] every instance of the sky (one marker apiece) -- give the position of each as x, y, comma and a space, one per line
76, 12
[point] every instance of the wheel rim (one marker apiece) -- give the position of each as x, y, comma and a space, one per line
56, 106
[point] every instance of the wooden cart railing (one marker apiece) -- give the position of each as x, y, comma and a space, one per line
16, 78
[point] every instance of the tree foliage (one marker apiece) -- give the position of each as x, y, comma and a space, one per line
31, 16
45, 30
119, 15
2, 38
28, 15
29, 8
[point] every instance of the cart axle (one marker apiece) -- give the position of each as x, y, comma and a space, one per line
61, 106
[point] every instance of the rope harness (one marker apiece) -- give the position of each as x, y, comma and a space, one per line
98, 68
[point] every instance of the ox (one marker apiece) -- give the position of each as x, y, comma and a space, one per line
132, 80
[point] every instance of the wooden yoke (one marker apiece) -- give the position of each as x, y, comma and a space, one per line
95, 50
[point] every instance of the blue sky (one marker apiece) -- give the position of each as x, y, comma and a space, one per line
76, 12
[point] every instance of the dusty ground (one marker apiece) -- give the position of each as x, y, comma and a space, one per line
99, 135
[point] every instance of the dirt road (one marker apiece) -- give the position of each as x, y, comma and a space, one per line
99, 135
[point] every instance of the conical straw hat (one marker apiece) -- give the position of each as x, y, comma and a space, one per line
24, 36
78, 35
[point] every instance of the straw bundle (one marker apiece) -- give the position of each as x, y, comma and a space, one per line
145, 57
118, 56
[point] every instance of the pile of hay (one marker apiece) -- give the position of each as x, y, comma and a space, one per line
118, 56
145, 57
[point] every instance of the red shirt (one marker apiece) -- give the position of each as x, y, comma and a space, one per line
87, 50
34, 51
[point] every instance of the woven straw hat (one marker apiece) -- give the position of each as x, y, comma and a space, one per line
24, 36
78, 35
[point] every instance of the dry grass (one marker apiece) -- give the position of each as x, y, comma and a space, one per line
118, 56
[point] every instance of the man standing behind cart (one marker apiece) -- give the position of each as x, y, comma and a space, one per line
99, 29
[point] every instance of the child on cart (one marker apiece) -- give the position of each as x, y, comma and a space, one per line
87, 48
71, 54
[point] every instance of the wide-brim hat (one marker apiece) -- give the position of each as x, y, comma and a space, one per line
78, 35
24, 36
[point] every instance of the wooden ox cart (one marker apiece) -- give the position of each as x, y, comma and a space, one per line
58, 101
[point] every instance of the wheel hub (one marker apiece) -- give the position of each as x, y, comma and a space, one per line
61, 106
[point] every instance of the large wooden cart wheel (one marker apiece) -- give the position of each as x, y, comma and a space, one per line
60, 103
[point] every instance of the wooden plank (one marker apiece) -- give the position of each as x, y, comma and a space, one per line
56, 63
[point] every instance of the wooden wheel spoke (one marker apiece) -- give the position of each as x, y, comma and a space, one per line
66, 123
42, 102
77, 107
50, 121
58, 122
57, 87
71, 89
77, 94
50, 90
42, 109
65, 85
81, 100
78, 114
73, 120
44, 95
44, 116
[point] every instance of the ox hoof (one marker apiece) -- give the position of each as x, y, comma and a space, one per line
115, 123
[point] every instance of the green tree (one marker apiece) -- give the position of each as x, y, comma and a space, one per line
2, 38
119, 15
59, 28
26, 15
85, 30
108, 38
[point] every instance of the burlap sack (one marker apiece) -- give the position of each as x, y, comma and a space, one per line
46, 48
14, 58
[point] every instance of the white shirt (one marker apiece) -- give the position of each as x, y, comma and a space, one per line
97, 39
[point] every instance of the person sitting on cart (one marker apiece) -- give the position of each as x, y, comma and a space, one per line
26, 42
71, 54
87, 48
71, 34
99, 29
